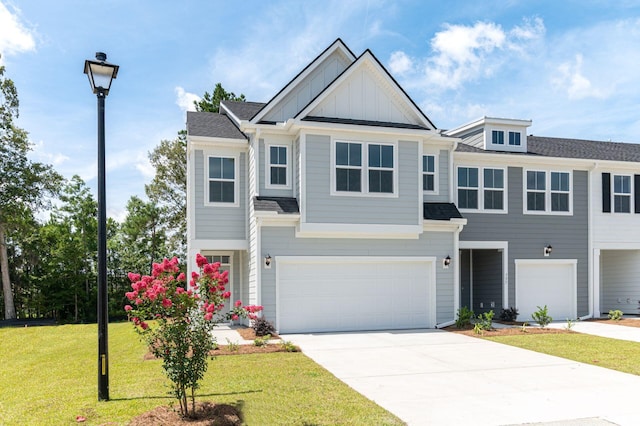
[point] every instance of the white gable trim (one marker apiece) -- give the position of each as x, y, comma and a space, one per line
337, 45
367, 59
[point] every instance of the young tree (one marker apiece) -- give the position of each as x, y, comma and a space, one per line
23, 184
211, 102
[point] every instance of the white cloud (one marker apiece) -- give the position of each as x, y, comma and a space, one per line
14, 36
40, 154
571, 79
400, 63
185, 99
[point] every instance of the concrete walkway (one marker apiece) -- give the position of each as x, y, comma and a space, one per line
604, 330
433, 377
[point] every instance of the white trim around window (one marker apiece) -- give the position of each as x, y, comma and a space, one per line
277, 159
366, 167
429, 173
223, 170
551, 192
489, 184
621, 194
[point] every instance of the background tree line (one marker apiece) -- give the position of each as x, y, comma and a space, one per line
48, 267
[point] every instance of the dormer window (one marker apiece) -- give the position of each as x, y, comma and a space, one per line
497, 137
514, 138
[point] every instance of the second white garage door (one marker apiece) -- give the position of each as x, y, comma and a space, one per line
546, 282
315, 294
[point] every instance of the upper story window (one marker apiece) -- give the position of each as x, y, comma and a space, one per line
481, 189
278, 160
221, 180
514, 138
348, 167
622, 194
547, 192
497, 137
381, 168
429, 173
373, 160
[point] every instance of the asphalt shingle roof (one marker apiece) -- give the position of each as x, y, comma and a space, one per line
281, 205
243, 110
571, 148
441, 211
212, 125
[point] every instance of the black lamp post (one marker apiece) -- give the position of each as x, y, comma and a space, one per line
101, 74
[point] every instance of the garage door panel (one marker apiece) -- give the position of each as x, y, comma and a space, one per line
349, 294
546, 283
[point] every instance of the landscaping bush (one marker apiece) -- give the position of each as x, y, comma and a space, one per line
509, 315
464, 317
262, 327
485, 321
541, 316
615, 315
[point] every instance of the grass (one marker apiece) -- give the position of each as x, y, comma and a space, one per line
49, 376
620, 355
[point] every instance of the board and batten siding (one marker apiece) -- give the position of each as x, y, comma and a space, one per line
322, 207
612, 228
527, 235
281, 241
213, 222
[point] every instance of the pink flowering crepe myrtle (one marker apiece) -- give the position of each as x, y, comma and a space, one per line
163, 296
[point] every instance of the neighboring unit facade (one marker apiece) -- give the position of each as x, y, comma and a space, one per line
339, 206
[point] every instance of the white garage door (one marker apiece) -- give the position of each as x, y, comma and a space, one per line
546, 282
354, 293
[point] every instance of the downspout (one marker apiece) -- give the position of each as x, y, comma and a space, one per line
451, 172
592, 280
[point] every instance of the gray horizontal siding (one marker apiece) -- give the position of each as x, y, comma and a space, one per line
325, 208
221, 223
528, 234
443, 180
272, 192
281, 241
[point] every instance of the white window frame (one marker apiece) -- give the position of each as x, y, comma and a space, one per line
235, 180
436, 182
547, 193
497, 131
511, 132
268, 165
621, 194
482, 188
364, 170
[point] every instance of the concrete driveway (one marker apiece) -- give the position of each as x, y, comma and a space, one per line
433, 377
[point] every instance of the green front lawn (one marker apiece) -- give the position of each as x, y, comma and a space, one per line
49, 376
615, 354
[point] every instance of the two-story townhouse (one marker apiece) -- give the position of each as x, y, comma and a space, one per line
551, 221
331, 204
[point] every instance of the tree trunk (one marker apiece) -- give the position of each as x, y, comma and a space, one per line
9, 308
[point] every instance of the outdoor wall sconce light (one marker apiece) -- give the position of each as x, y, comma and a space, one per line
267, 261
446, 262
547, 250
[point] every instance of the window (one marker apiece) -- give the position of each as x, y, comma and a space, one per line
493, 189
278, 163
559, 192
381, 168
222, 180
622, 194
547, 192
348, 167
497, 137
481, 189
365, 168
429, 173
467, 188
536, 184
514, 138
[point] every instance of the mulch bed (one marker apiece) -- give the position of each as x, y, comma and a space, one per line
628, 322
516, 329
207, 414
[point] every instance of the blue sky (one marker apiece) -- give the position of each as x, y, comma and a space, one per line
573, 67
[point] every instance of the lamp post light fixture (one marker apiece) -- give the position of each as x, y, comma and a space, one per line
101, 74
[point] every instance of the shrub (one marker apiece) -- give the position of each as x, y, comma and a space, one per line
262, 327
541, 316
465, 315
509, 315
485, 321
615, 315
262, 341
288, 346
